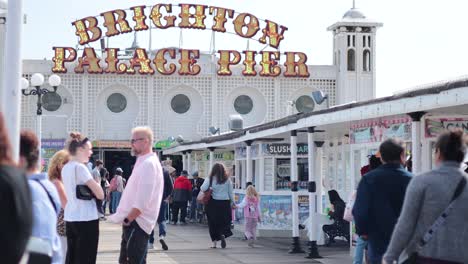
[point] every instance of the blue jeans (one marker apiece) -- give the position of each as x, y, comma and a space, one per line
376, 249
161, 222
115, 200
134, 245
359, 251
193, 208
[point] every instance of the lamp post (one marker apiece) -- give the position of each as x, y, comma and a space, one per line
37, 80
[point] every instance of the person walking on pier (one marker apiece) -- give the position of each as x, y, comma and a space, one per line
219, 207
380, 197
180, 196
433, 219
251, 207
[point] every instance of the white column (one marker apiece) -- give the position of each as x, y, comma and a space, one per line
294, 185
311, 158
249, 161
312, 196
184, 163
12, 80
416, 146
416, 141
189, 162
318, 175
261, 177
296, 245
197, 166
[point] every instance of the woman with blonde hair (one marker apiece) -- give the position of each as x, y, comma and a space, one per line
55, 176
251, 203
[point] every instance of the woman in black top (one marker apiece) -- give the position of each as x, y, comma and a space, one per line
340, 227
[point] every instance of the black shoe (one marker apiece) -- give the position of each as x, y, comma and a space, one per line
163, 244
223, 241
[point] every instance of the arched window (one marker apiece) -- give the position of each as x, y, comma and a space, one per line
366, 61
351, 60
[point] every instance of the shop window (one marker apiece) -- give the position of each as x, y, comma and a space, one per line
283, 173
305, 104
243, 104
116, 102
180, 103
51, 101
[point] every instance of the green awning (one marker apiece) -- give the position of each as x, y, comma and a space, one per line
162, 144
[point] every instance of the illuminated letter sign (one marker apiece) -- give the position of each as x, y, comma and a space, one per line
183, 61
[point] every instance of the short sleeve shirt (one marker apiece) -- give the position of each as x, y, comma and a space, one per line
75, 173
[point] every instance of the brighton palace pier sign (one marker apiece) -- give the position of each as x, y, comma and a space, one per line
190, 16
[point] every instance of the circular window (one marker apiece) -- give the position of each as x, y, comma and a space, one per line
116, 102
180, 103
243, 104
51, 101
304, 104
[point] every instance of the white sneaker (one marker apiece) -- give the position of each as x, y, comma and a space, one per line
150, 246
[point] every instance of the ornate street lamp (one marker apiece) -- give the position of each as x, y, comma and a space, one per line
37, 80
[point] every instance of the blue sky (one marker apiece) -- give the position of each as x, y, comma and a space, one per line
420, 42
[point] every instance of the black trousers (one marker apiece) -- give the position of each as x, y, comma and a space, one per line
219, 218
82, 239
134, 244
182, 206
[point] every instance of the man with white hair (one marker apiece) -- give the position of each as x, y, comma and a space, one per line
141, 200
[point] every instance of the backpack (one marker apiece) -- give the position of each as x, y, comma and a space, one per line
113, 184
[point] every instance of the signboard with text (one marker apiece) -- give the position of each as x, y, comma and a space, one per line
433, 127
369, 131
184, 16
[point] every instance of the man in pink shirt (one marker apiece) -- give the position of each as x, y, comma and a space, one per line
139, 206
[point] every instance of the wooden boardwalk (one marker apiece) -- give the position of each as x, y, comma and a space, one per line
191, 244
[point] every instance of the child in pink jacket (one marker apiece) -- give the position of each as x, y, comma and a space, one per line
251, 207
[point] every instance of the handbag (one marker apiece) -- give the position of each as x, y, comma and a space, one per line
414, 257
83, 192
204, 197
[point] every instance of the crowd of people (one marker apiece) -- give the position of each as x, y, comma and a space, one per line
402, 218
396, 214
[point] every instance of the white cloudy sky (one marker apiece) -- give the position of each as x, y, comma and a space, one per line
421, 41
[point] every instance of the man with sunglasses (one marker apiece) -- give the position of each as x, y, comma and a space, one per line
139, 206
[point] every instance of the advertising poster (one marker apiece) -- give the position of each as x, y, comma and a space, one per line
435, 126
380, 130
48, 148
303, 208
276, 212
238, 217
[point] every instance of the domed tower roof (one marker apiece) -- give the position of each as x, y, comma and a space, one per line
354, 13
354, 17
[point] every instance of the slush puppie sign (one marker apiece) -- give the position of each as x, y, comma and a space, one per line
186, 16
